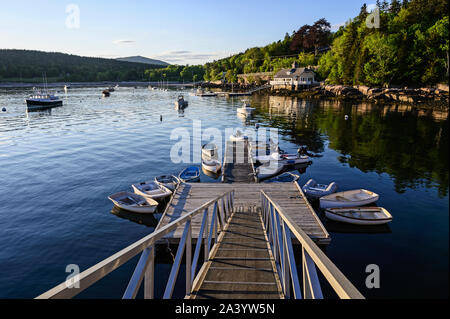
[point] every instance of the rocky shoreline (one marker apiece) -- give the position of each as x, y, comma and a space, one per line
423, 97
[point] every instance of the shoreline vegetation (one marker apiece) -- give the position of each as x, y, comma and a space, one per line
404, 59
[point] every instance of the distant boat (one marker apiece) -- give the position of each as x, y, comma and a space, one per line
152, 190
134, 203
359, 215
314, 190
43, 100
40, 101
106, 93
181, 104
190, 175
202, 93
351, 198
246, 109
168, 181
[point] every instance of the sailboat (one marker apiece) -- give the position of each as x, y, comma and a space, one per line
43, 100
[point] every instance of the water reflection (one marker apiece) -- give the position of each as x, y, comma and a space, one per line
410, 145
148, 220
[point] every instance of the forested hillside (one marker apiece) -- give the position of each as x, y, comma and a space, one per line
409, 48
24, 65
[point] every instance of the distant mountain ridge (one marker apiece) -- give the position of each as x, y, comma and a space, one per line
144, 60
29, 65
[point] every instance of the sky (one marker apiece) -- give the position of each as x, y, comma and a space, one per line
178, 32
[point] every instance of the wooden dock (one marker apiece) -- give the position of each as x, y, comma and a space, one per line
247, 198
238, 163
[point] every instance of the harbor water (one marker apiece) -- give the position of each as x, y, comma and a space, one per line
58, 167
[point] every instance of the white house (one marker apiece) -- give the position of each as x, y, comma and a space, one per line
294, 78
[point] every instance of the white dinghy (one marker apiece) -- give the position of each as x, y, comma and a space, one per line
168, 181
210, 151
359, 215
152, 190
212, 165
268, 170
134, 203
352, 198
284, 159
314, 190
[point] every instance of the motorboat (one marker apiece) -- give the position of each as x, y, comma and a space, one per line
314, 190
134, 203
106, 93
202, 93
168, 181
181, 103
351, 198
245, 109
151, 189
285, 177
359, 215
190, 175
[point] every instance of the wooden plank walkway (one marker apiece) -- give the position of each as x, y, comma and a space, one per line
238, 163
288, 196
242, 267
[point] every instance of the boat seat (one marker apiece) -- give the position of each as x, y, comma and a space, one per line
341, 198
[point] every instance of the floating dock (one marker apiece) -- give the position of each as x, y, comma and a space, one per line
247, 198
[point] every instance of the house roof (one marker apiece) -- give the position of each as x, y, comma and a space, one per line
292, 73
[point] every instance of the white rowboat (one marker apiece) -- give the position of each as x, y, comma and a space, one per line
134, 203
352, 198
168, 181
151, 190
360, 215
314, 190
212, 165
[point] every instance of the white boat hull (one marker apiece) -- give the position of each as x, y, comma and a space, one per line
212, 166
159, 194
332, 201
383, 218
148, 208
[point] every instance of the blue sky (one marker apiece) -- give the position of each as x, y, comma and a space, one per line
178, 32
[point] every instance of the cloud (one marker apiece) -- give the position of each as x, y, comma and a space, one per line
123, 41
183, 57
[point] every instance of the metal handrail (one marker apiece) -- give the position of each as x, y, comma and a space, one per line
144, 271
280, 228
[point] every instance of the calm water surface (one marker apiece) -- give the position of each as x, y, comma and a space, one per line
57, 169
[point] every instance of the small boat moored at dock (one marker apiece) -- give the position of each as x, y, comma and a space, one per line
238, 137
268, 170
314, 190
359, 215
212, 165
190, 175
351, 198
152, 190
168, 181
134, 203
210, 151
